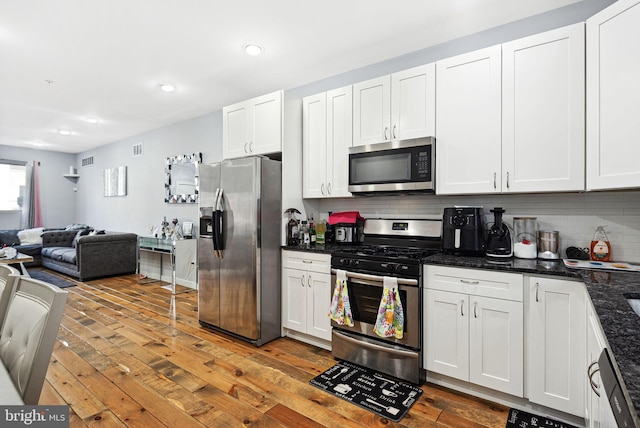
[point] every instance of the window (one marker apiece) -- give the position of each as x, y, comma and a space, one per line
12, 184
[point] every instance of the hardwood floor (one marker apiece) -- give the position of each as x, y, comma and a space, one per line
129, 355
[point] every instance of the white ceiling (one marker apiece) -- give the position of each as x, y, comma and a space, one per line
106, 58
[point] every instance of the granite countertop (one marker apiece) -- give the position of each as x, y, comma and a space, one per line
606, 289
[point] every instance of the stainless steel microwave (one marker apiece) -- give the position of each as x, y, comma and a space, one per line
398, 166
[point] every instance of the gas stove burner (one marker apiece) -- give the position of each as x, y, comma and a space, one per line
389, 252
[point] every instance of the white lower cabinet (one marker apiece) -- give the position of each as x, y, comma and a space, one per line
306, 293
556, 344
474, 327
598, 413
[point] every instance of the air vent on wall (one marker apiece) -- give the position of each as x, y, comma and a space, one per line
87, 161
137, 149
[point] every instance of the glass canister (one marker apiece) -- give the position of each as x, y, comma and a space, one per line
524, 243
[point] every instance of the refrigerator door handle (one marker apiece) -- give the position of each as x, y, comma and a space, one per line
218, 228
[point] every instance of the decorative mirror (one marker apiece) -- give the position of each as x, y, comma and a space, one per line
180, 183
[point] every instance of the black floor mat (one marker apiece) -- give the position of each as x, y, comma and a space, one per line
51, 279
519, 418
379, 393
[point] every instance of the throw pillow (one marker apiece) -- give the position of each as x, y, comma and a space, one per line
81, 232
96, 232
76, 226
9, 238
31, 236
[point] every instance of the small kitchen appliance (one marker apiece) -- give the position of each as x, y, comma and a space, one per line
525, 242
397, 166
347, 227
499, 243
462, 231
548, 245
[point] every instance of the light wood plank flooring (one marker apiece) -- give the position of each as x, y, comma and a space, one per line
128, 355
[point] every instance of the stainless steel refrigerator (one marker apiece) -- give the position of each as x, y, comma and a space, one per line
239, 247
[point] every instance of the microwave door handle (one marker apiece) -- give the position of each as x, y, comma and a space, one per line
376, 278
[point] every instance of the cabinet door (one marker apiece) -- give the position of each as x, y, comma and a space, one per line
294, 295
314, 146
372, 111
595, 345
339, 139
266, 124
318, 303
613, 66
556, 344
543, 111
413, 103
468, 128
234, 131
496, 348
447, 333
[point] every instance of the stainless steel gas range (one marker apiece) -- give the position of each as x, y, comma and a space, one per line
392, 248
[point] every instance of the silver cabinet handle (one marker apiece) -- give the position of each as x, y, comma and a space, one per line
302, 280
537, 292
394, 131
495, 184
475, 309
386, 129
594, 386
307, 261
322, 189
309, 281
466, 281
329, 189
461, 307
250, 146
245, 148
507, 179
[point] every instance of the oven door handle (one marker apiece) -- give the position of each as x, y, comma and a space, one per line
376, 278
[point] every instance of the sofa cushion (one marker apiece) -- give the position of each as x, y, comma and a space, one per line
63, 254
9, 237
31, 236
32, 250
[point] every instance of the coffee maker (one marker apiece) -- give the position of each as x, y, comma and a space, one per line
499, 242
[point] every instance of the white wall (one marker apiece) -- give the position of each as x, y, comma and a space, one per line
57, 194
144, 205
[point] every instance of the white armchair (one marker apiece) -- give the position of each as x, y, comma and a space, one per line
27, 337
7, 275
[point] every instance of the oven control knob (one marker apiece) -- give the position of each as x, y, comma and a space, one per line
391, 267
345, 262
355, 262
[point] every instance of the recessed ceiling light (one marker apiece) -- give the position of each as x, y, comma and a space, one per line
92, 120
253, 50
64, 132
167, 87
39, 143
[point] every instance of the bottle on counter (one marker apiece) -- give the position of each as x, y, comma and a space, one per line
600, 246
321, 228
312, 235
306, 239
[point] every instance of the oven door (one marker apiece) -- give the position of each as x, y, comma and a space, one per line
365, 293
401, 358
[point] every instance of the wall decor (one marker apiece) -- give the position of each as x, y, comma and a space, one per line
115, 181
181, 182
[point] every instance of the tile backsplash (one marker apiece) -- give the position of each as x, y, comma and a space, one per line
574, 215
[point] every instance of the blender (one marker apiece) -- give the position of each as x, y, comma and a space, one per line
499, 244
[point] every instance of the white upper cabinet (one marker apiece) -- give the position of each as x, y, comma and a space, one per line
468, 123
327, 136
253, 127
543, 118
510, 118
395, 107
613, 67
